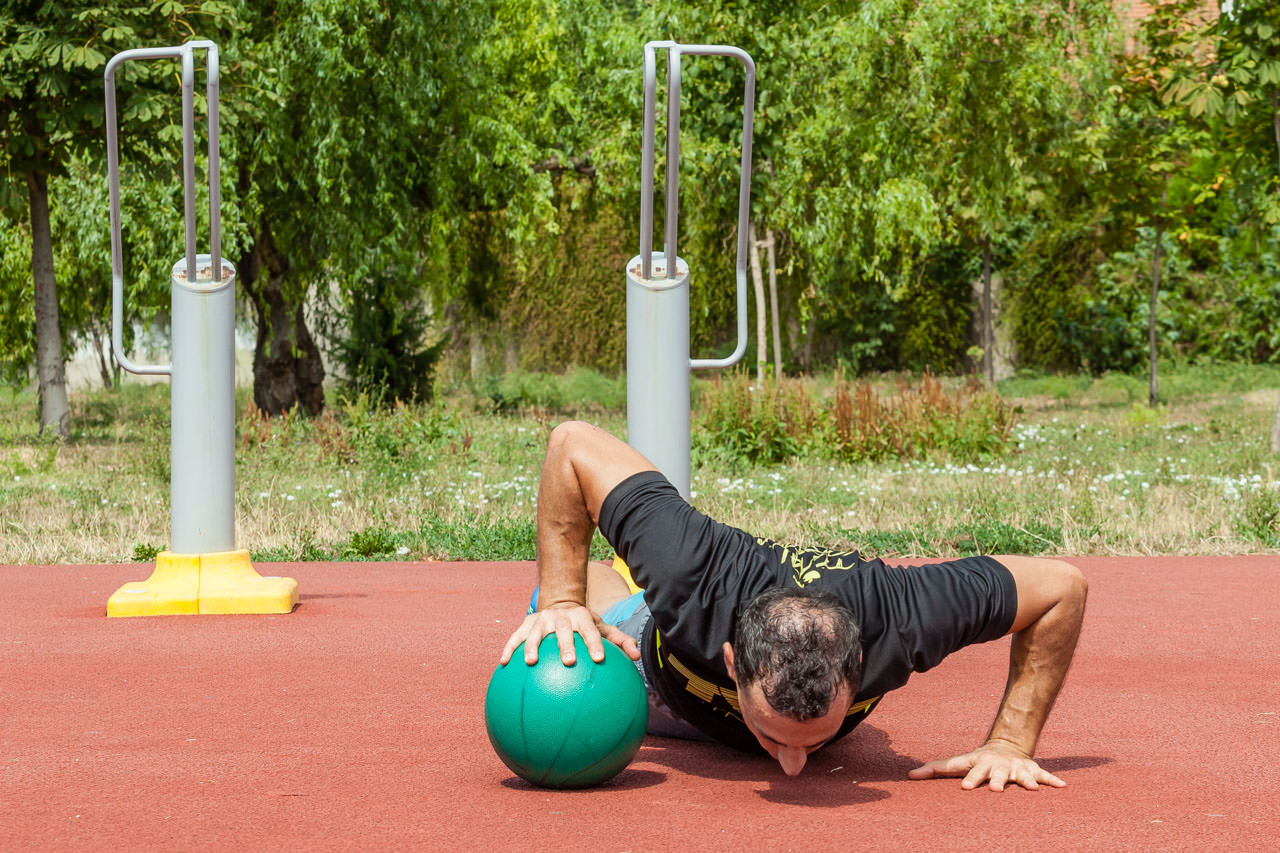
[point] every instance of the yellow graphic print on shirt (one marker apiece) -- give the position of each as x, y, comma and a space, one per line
808, 564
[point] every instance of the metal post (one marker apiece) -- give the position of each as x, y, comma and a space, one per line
658, 362
203, 403
202, 572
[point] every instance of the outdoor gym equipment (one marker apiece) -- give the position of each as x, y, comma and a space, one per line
658, 360
202, 572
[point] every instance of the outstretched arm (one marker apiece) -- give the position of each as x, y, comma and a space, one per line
583, 464
1051, 600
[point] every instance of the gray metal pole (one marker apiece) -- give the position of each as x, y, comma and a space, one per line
202, 368
658, 368
113, 183
658, 362
201, 572
203, 401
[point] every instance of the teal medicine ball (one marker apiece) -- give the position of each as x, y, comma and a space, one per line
566, 726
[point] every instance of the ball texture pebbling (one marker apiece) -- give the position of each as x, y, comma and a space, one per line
560, 726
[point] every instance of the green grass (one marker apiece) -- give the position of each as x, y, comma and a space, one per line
1088, 468
986, 537
1177, 384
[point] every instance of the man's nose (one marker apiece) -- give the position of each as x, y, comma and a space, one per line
792, 759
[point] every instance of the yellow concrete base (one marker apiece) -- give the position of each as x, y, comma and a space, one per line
621, 568
222, 582
173, 588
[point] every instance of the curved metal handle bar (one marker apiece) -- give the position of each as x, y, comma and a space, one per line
184, 53
674, 51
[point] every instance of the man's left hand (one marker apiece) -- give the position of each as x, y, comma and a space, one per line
996, 764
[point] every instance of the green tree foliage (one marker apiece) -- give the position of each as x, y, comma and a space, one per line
931, 125
1131, 262
1243, 89
152, 239
17, 331
1235, 85
1155, 185
402, 176
382, 139
51, 60
1238, 55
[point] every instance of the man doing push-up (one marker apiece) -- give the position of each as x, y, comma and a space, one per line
761, 645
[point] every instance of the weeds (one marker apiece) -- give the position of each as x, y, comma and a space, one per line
372, 543
145, 552
1259, 518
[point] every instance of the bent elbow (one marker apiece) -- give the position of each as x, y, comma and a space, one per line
1076, 585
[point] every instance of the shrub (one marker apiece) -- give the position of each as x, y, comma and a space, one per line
969, 424
758, 422
772, 421
383, 351
383, 439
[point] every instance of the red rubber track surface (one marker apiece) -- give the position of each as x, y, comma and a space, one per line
355, 723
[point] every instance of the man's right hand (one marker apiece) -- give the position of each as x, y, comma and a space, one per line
564, 621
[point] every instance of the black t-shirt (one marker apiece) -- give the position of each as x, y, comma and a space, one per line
697, 575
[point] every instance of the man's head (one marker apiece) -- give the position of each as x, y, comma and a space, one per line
796, 660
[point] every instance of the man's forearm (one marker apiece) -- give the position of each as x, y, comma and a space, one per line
1050, 610
582, 466
1038, 664
562, 562
565, 527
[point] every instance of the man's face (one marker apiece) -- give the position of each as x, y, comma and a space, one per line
785, 738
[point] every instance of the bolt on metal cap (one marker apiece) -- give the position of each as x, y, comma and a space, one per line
205, 281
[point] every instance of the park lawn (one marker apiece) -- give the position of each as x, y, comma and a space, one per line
1088, 469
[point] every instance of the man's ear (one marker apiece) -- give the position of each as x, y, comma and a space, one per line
728, 662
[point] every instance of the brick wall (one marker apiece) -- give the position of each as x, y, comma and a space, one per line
1131, 13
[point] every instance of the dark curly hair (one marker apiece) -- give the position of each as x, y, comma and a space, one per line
801, 646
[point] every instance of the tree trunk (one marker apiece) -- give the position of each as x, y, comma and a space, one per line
988, 320
1153, 392
762, 345
54, 409
101, 346
806, 353
773, 304
287, 370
